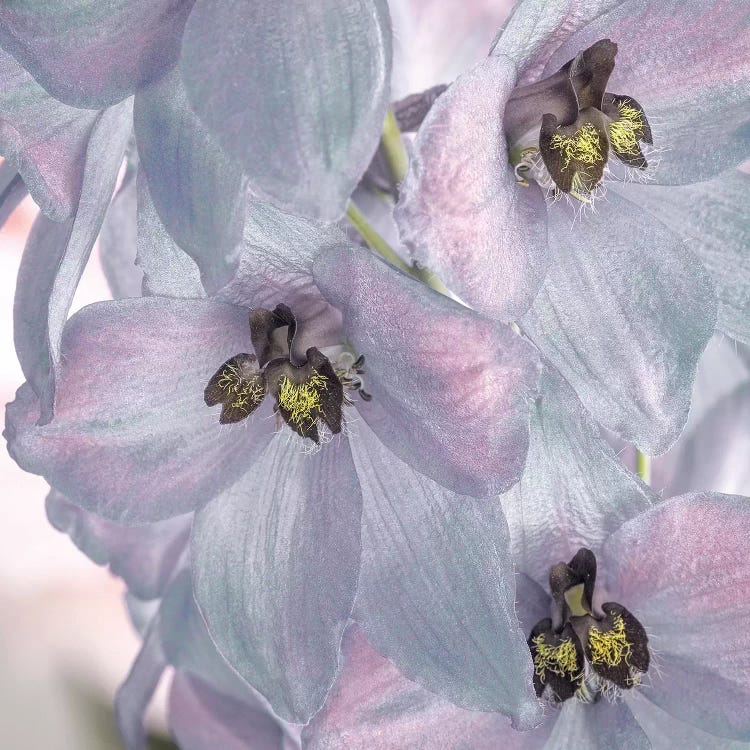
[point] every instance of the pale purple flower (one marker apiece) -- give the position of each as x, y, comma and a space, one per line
614, 297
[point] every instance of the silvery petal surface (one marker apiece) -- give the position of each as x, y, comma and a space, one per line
624, 314
295, 91
275, 565
436, 589
93, 53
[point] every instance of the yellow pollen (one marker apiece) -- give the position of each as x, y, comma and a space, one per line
610, 647
301, 400
625, 133
561, 659
584, 146
245, 393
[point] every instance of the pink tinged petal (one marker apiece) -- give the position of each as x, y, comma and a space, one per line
12, 190
462, 211
145, 557
436, 589
134, 695
597, 726
198, 191
45, 139
201, 718
695, 91
303, 113
89, 53
132, 439
372, 706
275, 566
712, 218
550, 519
55, 257
624, 315
450, 388
683, 568
168, 271
118, 241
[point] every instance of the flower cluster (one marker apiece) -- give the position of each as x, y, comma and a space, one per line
341, 430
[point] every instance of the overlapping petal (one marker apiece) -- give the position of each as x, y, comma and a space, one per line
436, 588
624, 315
303, 115
275, 566
574, 491
92, 53
12, 190
462, 211
132, 439
683, 567
450, 388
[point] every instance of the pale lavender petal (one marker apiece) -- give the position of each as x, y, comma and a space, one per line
462, 211
45, 139
198, 191
55, 257
372, 706
12, 190
712, 218
275, 566
436, 589
134, 695
683, 569
450, 388
202, 719
91, 53
687, 63
597, 726
532, 602
550, 519
145, 557
132, 439
168, 271
296, 91
624, 315
118, 241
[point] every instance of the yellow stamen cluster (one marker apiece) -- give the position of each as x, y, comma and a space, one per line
561, 659
246, 393
583, 147
625, 132
609, 647
302, 400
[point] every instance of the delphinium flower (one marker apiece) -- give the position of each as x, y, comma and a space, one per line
285, 460
573, 94
209, 705
635, 639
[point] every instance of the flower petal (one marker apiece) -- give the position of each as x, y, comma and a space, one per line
303, 112
683, 569
143, 556
197, 190
597, 726
462, 211
55, 256
436, 587
712, 218
45, 139
132, 439
89, 53
275, 561
550, 519
450, 388
372, 706
12, 190
202, 719
118, 241
624, 315
696, 90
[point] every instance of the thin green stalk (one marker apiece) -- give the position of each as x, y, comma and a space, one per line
643, 466
393, 148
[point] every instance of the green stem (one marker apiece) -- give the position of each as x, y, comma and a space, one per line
393, 148
643, 466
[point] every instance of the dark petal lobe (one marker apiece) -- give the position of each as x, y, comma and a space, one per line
589, 72
558, 661
239, 386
